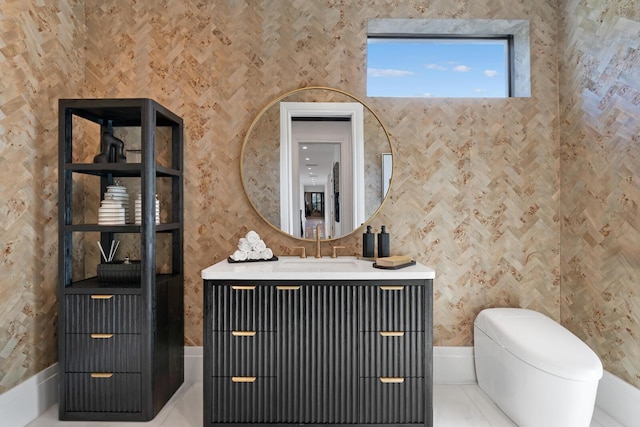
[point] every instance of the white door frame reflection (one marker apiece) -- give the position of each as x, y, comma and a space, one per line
290, 188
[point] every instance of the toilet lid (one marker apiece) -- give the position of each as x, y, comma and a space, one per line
541, 342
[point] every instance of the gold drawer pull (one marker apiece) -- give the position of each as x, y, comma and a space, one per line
392, 288
243, 333
101, 336
243, 287
243, 379
391, 380
101, 296
392, 333
101, 374
287, 288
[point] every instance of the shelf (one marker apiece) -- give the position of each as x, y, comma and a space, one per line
91, 285
121, 112
126, 228
118, 169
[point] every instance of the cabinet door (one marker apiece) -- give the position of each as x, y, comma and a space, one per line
317, 354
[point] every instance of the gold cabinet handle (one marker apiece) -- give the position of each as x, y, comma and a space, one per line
243, 287
101, 374
105, 336
243, 333
391, 380
391, 288
392, 333
243, 379
287, 288
101, 296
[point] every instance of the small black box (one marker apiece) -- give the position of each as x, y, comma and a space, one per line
118, 273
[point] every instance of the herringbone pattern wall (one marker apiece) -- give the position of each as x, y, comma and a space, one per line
41, 59
476, 188
600, 164
476, 191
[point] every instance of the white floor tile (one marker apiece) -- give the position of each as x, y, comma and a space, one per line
490, 410
454, 406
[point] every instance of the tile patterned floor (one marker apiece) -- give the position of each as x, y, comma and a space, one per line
454, 406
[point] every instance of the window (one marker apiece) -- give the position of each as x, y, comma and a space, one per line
448, 58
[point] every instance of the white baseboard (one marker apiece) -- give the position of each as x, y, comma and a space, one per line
26, 401
618, 399
451, 365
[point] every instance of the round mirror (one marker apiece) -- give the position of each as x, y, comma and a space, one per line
316, 159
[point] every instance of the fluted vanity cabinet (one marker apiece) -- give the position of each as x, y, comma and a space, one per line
120, 345
327, 351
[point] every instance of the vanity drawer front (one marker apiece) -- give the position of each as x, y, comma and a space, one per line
244, 353
393, 307
391, 354
103, 392
103, 352
391, 402
99, 313
243, 400
243, 307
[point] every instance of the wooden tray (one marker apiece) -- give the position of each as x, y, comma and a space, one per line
395, 267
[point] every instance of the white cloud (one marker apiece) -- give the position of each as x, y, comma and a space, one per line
480, 90
427, 95
461, 68
436, 67
490, 73
386, 72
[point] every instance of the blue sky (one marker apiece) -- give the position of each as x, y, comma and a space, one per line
436, 68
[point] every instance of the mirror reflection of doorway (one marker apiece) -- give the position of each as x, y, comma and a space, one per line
314, 212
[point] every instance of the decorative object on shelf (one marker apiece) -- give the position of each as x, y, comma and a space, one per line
138, 210
112, 251
252, 248
119, 272
111, 150
111, 212
119, 193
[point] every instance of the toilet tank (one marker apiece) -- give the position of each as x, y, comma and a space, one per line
535, 370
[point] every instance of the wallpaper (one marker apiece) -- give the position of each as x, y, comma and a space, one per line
527, 202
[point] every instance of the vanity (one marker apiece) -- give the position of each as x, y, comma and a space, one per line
317, 341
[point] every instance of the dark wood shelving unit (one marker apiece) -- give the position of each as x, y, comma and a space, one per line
140, 326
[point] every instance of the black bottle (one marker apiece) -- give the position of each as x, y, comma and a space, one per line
368, 243
383, 243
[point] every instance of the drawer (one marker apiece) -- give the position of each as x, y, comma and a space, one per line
103, 352
243, 307
392, 402
89, 314
243, 353
391, 354
116, 392
393, 307
251, 400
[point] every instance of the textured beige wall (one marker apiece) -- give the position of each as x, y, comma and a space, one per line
41, 59
600, 171
476, 193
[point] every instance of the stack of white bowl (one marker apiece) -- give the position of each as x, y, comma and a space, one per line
138, 210
119, 193
111, 212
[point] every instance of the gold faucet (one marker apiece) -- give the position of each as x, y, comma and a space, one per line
318, 254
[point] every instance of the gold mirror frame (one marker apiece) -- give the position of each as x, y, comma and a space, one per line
257, 119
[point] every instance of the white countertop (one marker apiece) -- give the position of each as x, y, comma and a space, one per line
296, 268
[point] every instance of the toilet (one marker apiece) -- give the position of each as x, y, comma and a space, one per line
536, 371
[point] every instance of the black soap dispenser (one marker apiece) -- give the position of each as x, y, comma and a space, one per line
368, 243
383, 243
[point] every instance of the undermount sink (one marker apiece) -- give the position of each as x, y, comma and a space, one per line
317, 265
